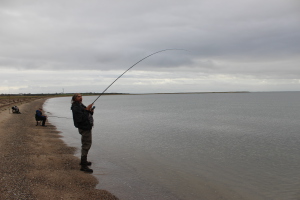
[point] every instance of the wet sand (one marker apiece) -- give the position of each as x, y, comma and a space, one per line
36, 164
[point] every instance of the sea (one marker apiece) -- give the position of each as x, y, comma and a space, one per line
191, 146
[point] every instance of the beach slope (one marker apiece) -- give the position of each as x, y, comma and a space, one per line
36, 164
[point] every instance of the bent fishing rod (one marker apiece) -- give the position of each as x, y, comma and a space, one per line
133, 66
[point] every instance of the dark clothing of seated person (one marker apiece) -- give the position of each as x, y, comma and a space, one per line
15, 109
40, 116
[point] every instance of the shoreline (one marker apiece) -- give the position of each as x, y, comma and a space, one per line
37, 164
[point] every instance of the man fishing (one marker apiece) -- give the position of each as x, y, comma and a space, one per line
83, 120
40, 116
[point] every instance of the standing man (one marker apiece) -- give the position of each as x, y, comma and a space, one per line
83, 120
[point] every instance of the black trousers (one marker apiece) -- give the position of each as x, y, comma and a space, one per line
43, 121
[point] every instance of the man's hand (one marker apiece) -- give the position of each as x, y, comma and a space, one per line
89, 107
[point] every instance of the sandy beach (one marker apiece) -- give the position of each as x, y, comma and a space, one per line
36, 164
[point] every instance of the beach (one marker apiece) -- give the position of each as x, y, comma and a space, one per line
36, 163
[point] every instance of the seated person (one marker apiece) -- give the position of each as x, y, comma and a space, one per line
40, 116
15, 109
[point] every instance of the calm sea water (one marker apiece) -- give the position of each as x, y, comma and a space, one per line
192, 146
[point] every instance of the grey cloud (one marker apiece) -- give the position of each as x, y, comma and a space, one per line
251, 38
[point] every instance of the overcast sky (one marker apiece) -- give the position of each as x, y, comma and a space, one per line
51, 46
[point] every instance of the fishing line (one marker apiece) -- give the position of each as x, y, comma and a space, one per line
60, 117
133, 66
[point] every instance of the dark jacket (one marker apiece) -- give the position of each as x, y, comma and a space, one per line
39, 114
81, 116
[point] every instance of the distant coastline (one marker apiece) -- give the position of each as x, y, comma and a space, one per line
9, 99
39, 95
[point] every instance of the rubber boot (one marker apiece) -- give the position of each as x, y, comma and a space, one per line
84, 165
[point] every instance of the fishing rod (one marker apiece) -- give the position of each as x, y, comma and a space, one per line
133, 66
